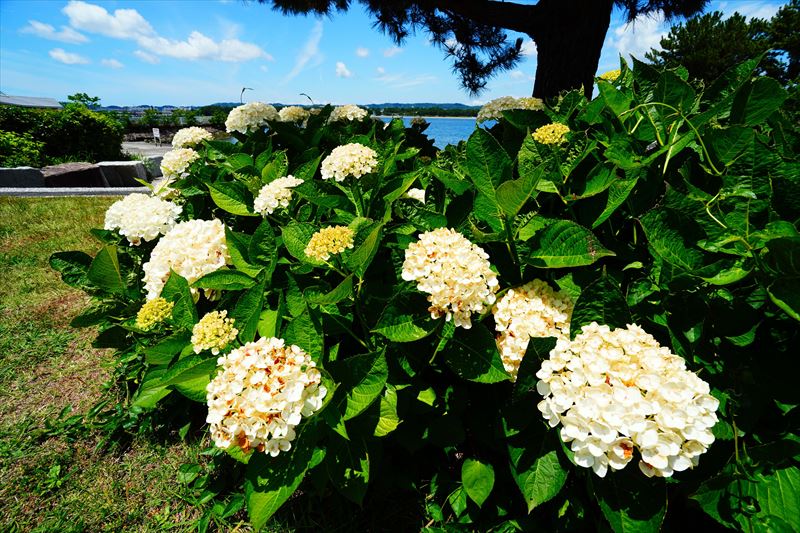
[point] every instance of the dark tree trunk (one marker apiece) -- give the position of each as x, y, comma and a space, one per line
569, 36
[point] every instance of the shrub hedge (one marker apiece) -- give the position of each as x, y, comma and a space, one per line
73, 133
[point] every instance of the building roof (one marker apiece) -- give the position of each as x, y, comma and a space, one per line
30, 101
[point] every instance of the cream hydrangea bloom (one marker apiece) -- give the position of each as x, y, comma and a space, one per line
176, 162
277, 193
347, 112
213, 332
555, 133
455, 273
493, 110
250, 117
293, 113
192, 249
329, 241
153, 312
613, 391
140, 217
189, 137
260, 395
532, 310
349, 160
416, 194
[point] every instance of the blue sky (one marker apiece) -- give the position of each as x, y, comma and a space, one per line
191, 52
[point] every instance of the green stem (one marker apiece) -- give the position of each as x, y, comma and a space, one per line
358, 197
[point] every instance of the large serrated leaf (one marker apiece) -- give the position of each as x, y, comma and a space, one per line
565, 244
601, 301
537, 470
477, 478
472, 354
270, 481
406, 319
105, 271
232, 197
362, 379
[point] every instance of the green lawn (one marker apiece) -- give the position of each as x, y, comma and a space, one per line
53, 479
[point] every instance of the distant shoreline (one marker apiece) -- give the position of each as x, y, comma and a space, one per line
425, 117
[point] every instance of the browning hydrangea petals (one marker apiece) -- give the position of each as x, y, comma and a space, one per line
455, 273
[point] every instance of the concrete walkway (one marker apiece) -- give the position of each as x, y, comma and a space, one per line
146, 149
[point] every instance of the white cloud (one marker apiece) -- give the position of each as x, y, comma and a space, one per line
198, 46
46, 31
362, 52
62, 56
761, 10
517, 75
310, 51
528, 48
380, 70
342, 71
123, 24
638, 37
264, 68
391, 52
129, 24
111, 63
147, 58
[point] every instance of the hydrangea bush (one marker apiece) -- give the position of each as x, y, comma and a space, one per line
493, 331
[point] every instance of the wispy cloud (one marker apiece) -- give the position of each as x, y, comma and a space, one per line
46, 31
309, 52
391, 52
750, 9
111, 63
342, 71
362, 52
147, 58
62, 56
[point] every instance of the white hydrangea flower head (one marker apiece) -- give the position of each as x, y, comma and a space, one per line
347, 112
192, 249
613, 391
416, 194
455, 273
293, 113
349, 160
213, 332
531, 310
493, 110
259, 396
250, 117
190, 137
139, 217
275, 194
175, 163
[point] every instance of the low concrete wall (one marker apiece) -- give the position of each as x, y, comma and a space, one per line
123, 173
21, 177
45, 192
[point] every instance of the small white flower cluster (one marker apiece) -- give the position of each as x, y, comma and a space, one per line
616, 390
250, 117
532, 310
175, 163
192, 136
454, 272
494, 110
349, 160
293, 113
416, 194
260, 395
192, 249
347, 112
140, 217
277, 193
